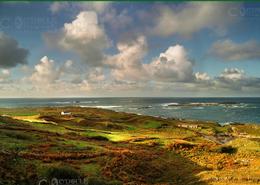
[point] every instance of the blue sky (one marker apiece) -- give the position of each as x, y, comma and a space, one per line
129, 49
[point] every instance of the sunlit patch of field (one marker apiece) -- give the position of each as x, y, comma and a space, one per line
34, 118
246, 145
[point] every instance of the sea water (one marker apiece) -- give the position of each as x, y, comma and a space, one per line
221, 110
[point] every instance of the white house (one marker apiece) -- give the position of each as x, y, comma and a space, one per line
65, 113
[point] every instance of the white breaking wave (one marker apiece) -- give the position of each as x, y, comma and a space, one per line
170, 104
204, 104
108, 106
133, 108
102, 106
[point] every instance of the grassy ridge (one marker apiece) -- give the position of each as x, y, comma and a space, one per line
110, 147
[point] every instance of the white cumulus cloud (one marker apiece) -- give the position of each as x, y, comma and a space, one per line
127, 64
172, 65
5, 76
96, 75
232, 74
45, 72
202, 76
83, 36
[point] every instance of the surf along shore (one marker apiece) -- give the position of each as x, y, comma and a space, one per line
99, 146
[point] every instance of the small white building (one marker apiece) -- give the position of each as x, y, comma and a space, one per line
188, 126
63, 113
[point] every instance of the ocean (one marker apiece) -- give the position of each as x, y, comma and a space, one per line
221, 110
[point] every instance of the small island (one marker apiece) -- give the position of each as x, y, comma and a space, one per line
99, 146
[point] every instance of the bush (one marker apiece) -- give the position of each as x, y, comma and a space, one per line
227, 149
99, 138
17, 135
62, 173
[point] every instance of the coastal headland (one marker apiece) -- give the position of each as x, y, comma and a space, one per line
99, 146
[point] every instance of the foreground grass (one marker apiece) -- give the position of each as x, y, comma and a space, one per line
107, 147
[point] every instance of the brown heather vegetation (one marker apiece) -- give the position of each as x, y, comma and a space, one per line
107, 147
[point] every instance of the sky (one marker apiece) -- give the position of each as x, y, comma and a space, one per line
127, 49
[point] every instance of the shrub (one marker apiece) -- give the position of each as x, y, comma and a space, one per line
227, 149
99, 138
62, 173
152, 124
20, 136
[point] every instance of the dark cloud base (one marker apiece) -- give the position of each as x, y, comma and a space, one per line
10, 53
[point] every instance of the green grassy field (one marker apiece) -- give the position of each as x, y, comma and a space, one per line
107, 147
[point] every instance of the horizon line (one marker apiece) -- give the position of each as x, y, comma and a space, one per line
64, 97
